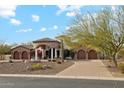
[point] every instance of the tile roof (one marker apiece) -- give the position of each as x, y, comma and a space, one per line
45, 40
26, 46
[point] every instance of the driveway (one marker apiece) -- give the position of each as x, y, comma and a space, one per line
87, 68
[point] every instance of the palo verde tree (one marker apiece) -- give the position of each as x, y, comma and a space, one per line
69, 43
103, 31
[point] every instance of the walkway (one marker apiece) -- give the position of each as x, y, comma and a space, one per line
86, 68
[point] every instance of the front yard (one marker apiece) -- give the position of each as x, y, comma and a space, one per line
54, 68
112, 69
23, 68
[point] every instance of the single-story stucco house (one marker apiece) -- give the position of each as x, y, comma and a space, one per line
46, 48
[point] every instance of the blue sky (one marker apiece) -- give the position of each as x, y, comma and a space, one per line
26, 23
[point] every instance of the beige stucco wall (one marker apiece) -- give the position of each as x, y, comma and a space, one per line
51, 44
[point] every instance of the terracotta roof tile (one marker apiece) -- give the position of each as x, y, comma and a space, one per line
44, 40
26, 46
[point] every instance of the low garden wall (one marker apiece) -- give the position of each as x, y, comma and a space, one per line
5, 57
2, 57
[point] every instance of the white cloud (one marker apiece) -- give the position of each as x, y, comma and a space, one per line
68, 8
62, 7
25, 30
15, 22
35, 18
55, 27
43, 29
113, 8
7, 11
67, 28
71, 14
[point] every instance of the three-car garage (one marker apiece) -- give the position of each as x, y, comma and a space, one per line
84, 54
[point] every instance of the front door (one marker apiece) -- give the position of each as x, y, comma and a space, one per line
39, 54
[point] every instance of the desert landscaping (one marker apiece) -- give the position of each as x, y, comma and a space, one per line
48, 68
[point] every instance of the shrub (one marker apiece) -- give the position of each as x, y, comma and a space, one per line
54, 60
49, 59
59, 62
37, 66
121, 67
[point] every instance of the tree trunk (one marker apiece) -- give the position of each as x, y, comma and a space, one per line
114, 60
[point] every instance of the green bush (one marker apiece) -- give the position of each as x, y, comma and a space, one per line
54, 60
121, 67
59, 62
37, 66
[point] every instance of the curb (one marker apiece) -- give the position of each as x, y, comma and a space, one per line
64, 77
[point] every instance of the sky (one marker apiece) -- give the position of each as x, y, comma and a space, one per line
25, 23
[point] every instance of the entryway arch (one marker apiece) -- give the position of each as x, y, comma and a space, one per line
39, 52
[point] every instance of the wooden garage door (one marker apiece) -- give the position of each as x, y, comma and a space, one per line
16, 55
92, 54
24, 55
81, 54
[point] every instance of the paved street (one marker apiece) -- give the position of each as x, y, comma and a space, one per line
30, 82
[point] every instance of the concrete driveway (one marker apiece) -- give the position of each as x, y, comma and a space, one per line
87, 68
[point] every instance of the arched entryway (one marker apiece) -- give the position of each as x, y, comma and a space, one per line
92, 54
39, 52
24, 55
66, 53
16, 55
81, 54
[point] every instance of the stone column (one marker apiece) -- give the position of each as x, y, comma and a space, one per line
55, 53
60, 53
20, 55
86, 55
43, 53
51, 53
98, 55
75, 56
36, 54
29, 55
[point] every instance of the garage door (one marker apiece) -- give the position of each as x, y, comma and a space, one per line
81, 54
16, 55
24, 55
92, 54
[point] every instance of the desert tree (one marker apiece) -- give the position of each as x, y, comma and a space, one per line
4, 48
103, 31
